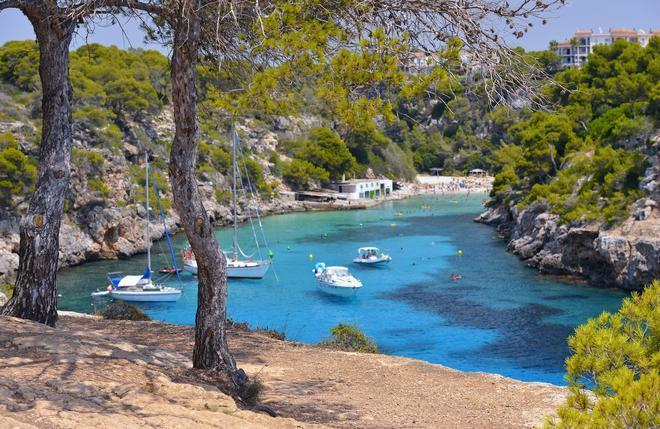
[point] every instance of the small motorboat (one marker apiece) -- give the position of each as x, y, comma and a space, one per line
371, 256
336, 281
170, 270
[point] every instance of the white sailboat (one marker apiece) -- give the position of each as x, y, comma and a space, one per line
247, 268
140, 288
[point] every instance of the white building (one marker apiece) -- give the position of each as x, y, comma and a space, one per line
363, 188
574, 52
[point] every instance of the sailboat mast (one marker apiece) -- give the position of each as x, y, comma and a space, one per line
146, 187
233, 193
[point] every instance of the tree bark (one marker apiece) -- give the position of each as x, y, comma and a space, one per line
35, 293
211, 350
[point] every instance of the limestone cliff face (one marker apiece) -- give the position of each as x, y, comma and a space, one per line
627, 256
104, 218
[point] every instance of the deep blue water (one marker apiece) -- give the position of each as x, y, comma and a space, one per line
502, 317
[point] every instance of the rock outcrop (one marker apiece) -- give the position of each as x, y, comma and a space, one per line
104, 218
627, 256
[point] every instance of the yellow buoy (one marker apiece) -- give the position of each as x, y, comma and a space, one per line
460, 252
311, 257
393, 225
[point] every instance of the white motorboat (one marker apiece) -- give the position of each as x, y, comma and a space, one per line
141, 288
247, 268
371, 256
336, 280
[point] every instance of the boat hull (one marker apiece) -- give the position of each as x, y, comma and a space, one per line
242, 270
343, 291
155, 296
375, 261
249, 271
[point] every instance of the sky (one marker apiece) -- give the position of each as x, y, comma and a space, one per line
561, 24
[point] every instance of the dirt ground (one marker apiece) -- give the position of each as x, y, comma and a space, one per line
90, 372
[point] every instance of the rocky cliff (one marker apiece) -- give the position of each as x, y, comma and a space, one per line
626, 256
105, 210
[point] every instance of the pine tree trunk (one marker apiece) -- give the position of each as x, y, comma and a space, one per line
211, 350
35, 293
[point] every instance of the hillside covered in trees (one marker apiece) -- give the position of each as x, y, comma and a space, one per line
583, 156
122, 97
576, 189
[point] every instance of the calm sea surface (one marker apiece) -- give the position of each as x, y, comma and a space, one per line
502, 317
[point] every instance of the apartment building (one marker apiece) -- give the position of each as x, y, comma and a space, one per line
574, 52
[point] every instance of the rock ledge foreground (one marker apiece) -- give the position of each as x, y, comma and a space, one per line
90, 372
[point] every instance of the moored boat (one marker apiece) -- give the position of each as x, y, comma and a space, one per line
137, 288
336, 281
237, 268
141, 288
371, 256
245, 269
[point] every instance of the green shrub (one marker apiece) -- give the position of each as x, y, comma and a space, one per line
8, 140
326, 150
111, 136
222, 197
349, 338
99, 186
90, 157
7, 289
19, 64
92, 118
17, 173
119, 310
298, 173
251, 391
129, 95
256, 175
276, 164
214, 156
616, 356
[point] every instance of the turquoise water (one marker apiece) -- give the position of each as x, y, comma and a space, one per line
502, 317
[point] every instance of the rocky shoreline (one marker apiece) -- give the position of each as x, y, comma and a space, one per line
118, 232
627, 256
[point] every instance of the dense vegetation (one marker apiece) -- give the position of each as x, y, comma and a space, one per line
116, 93
618, 357
586, 157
